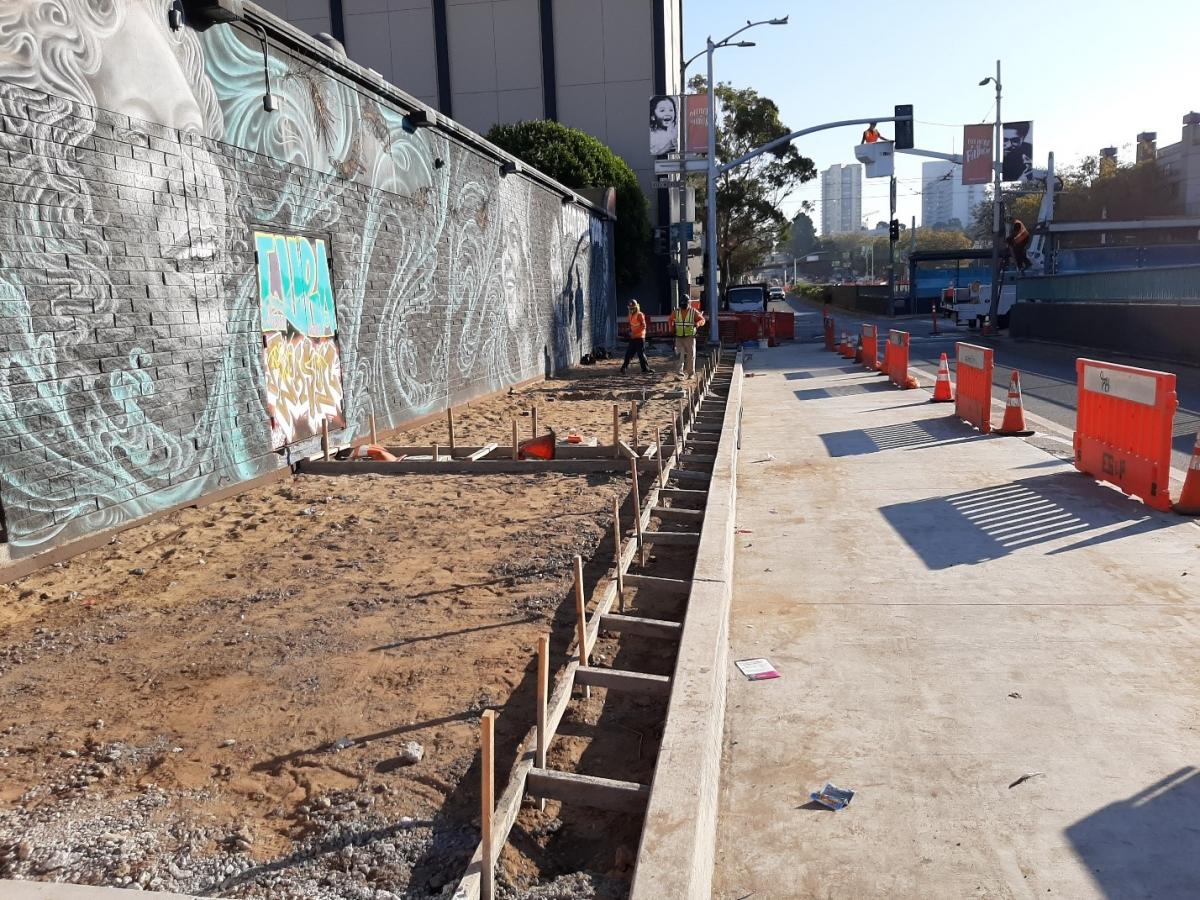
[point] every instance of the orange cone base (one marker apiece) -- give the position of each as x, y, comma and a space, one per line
941, 399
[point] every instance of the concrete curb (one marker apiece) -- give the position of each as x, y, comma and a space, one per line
679, 836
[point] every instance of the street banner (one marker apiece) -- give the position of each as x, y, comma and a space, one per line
697, 123
977, 154
664, 125
1018, 152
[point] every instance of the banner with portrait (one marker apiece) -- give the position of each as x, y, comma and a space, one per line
664, 125
1017, 161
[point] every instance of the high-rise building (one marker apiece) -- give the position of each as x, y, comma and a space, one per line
945, 200
841, 199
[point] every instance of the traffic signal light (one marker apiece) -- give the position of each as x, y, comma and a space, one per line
894, 231
660, 241
904, 130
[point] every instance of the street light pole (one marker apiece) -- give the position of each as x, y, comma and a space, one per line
997, 163
710, 210
710, 217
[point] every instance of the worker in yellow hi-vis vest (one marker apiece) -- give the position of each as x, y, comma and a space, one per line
684, 322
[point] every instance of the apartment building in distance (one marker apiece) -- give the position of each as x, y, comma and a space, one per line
841, 199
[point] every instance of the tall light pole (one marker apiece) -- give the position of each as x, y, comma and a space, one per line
997, 163
710, 217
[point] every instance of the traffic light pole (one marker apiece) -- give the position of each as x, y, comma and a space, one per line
892, 236
715, 170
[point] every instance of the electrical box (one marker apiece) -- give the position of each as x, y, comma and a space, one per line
878, 158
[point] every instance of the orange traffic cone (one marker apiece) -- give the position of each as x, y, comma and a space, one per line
1014, 411
1189, 499
537, 448
372, 451
943, 391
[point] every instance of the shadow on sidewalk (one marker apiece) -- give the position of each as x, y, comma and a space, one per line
844, 390
1147, 845
977, 526
901, 436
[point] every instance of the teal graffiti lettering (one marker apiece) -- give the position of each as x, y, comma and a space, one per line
294, 286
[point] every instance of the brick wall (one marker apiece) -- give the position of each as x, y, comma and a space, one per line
133, 371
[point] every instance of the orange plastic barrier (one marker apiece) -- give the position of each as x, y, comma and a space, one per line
870, 346
898, 357
974, 367
827, 321
785, 326
1123, 424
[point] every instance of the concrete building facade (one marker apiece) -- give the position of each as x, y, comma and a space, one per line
1181, 164
841, 199
944, 198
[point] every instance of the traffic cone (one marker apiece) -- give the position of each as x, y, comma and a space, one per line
1014, 411
943, 391
1189, 498
537, 448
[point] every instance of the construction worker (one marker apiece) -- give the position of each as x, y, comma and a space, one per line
683, 323
637, 339
872, 135
1018, 240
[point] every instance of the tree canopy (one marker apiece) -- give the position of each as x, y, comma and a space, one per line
1088, 194
749, 219
579, 160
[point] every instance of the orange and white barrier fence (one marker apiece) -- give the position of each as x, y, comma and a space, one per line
1123, 428
896, 357
974, 368
870, 346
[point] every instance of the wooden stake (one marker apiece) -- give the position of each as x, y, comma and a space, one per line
487, 778
514, 438
374, 435
450, 428
616, 431
658, 456
543, 686
534, 415
633, 420
637, 513
581, 614
437, 452
682, 424
325, 437
617, 553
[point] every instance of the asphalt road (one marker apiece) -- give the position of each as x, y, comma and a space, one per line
1047, 370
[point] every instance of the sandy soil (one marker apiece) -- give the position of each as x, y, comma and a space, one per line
223, 700
581, 403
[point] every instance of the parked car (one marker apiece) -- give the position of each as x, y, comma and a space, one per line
746, 298
776, 293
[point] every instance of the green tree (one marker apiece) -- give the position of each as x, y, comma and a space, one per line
1131, 191
801, 235
579, 160
749, 219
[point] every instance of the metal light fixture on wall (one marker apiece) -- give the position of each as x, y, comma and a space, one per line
203, 14
508, 168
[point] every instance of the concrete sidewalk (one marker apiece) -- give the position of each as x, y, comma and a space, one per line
950, 612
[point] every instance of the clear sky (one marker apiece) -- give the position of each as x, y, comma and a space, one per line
1089, 73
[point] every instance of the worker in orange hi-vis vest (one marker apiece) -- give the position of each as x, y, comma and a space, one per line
683, 324
872, 135
637, 339
1018, 240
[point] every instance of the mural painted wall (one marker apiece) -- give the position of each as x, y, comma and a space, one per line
142, 362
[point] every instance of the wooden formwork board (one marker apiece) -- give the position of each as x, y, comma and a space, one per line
525, 775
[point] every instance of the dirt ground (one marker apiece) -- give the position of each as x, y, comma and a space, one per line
581, 403
233, 699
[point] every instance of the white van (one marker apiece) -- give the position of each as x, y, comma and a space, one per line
972, 303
